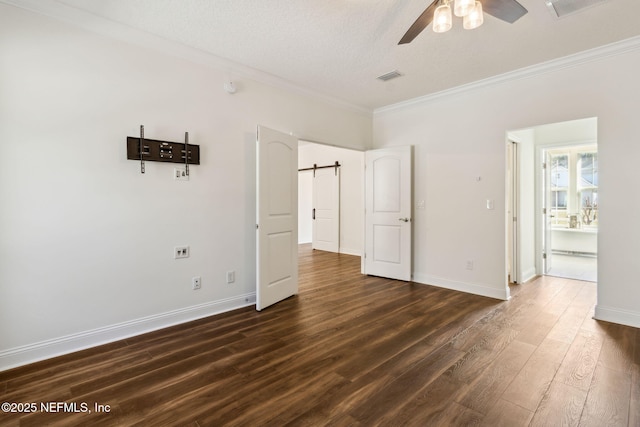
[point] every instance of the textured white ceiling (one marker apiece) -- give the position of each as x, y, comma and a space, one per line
339, 47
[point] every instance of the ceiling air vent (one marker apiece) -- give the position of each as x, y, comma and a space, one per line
560, 8
390, 75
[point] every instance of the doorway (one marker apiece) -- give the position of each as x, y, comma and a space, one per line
391, 255
551, 226
351, 193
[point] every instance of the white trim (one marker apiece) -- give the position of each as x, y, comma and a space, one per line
472, 288
617, 315
350, 251
595, 54
568, 144
30, 353
106, 27
525, 276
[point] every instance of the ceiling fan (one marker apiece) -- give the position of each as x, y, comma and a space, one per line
506, 10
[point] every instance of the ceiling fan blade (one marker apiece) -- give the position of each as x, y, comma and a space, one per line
507, 10
420, 24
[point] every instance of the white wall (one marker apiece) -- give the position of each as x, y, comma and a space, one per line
351, 192
461, 135
583, 131
569, 240
86, 239
305, 203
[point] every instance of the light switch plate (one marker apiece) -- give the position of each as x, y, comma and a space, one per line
490, 204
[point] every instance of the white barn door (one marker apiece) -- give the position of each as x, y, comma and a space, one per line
326, 209
277, 217
388, 202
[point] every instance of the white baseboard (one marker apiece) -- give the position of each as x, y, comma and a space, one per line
528, 275
617, 315
350, 251
24, 355
471, 288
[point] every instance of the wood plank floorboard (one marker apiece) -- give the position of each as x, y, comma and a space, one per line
506, 414
561, 405
353, 350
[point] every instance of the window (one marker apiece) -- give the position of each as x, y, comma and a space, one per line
574, 187
588, 188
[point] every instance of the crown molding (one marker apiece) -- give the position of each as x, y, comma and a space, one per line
595, 54
115, 30
112, 29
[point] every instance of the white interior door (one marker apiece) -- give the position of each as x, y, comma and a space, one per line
547, 213
388, 202
277, 217
326, 209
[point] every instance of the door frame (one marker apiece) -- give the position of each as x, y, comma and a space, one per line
545, 194
513, 211
529, 216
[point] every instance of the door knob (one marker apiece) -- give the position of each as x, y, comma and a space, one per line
404, 219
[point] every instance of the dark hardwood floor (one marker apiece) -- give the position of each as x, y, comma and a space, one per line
351, 350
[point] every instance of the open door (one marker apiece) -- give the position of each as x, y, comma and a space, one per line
326, 209
277, 217
513, 185
388, 202
547, 212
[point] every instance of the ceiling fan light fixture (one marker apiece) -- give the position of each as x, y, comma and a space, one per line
475, 18
442, 19
463, 7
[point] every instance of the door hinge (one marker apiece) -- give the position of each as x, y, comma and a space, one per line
544, 166
257, 226
544, 211
544, 255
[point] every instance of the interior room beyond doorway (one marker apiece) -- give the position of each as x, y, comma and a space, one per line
351, 193
552, 218
573, 211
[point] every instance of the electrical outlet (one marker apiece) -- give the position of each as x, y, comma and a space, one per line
470, 264
196, 283
231, 276
180, 174
181, 252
